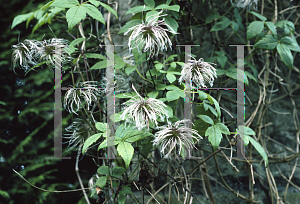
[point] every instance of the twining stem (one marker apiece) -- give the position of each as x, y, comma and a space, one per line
78, 176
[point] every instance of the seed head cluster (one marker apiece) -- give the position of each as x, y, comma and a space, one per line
150, 35
173, 137
143, 111
199, 72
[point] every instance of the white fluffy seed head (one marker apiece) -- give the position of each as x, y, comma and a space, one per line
199, 72
150, 35
173, 137
143, 111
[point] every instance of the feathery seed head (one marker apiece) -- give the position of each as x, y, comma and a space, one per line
199, 72
79, 131
248, 4
173, 137
84, 92
143, 111
150, 35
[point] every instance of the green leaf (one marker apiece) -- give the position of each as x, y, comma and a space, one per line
116, 117
103, 64
235, 26
153, 94
237, 15
202, 95
159, 66
94, 12
253, 68
65, 3
172, 26
250, 76
110, 140
130, 69
95, 2
103, 170
128, 25
290, 43
246, 140
240, 75
221, 72
171, 57
207, 106
171, 77
101, 126
260, 150
180, 63
173, 88
223, 128
124, 95
161, 86
224, 23
4, 194
150, 3
169, 111
247, 130
93, 193
76, 41
214, 136
94, 55
269, 42
254, 28
211, 17
152, 15
174, 95
32, 17
74, 15
222, 60
215, 102
138, 9
121, 198
107, 7
286, 25
238, 19
132, 135
258, 16
126, 150
47, 5
173, 65
200, 126
90, 141
285, 55
20, 18
165, 6
101, 182
119, 65
120, 130
118, 171
206, 119
271, 27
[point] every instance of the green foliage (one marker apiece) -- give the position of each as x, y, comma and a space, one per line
103, 170
101, 182
258, 16
269, 42
285, 55
118, 171
246, 132
94, 12
224, 23
90, 141
123, 138
254, 28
